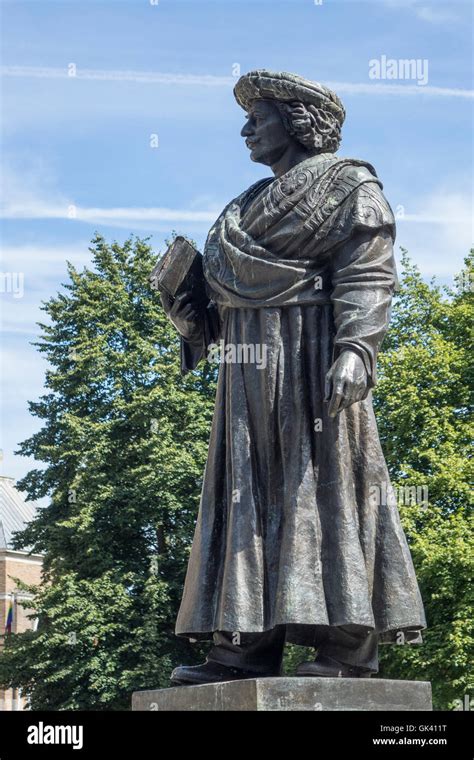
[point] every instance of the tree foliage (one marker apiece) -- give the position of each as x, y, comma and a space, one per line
124, 440
423, 408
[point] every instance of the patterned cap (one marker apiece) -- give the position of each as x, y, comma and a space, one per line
280, 85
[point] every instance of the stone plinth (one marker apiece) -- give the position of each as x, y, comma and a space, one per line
308, 694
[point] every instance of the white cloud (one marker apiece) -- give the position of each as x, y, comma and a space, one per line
25, 256
208, 80
438, 232
378, 88
21, 381
443, 207
33, 195
39, 263
39, 209
433, 14
110, 75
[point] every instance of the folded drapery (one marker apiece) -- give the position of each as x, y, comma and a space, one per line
288, 531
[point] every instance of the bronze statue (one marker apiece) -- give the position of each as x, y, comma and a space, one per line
292, 542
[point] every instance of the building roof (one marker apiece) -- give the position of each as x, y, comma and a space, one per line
14, 512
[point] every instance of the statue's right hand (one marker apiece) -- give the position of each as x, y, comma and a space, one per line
182, 312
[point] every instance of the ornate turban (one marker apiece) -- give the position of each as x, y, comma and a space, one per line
285, 87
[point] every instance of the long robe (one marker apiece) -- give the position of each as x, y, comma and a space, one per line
291, 527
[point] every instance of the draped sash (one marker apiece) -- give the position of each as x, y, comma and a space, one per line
271, 245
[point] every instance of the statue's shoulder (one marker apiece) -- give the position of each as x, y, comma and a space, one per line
354, 171
366, 205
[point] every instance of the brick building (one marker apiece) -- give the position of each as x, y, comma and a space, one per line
14, 513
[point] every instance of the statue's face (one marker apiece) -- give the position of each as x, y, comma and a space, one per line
264, 132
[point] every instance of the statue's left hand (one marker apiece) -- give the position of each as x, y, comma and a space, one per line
346, 382
183, 314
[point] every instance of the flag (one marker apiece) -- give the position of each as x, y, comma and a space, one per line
8, 624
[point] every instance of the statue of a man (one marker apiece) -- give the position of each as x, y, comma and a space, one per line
298, 536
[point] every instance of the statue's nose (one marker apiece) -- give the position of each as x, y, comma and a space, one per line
246, 130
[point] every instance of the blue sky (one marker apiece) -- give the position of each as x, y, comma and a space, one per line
167, 69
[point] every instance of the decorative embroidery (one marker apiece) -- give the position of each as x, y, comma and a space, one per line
329, 197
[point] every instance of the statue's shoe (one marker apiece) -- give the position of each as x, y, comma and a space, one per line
211, 672
326, 667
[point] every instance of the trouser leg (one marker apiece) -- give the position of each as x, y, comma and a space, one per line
354, 649
256, 652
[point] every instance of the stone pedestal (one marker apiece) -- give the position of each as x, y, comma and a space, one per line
308, 694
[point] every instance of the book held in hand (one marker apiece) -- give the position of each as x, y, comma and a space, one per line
180, 270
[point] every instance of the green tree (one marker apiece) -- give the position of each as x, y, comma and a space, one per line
124, 438
423, 407
422, 404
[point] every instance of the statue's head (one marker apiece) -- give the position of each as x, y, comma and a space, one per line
285, 108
